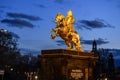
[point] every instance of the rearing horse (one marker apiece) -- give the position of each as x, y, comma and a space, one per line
70, 38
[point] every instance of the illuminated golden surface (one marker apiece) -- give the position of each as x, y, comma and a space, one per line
65, 30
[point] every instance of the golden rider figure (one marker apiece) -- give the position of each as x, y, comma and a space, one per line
69, 20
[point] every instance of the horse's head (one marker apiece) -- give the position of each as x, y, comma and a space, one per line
59, 17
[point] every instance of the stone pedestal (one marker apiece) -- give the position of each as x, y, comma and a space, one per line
62, 64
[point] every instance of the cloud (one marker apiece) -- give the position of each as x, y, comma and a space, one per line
25, 16
17, 23
99, 41
40, 5
59, 1
92, 24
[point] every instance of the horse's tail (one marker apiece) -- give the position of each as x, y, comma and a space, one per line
51, 34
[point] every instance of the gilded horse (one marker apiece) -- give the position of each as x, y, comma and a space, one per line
71, 38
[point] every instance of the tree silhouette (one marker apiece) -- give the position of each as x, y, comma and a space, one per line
15, 64
8, 49
111, 67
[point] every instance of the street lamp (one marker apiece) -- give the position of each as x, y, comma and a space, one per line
11, 69
2, 73
36, 77
106, 79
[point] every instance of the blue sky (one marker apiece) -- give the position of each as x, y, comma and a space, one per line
32, 21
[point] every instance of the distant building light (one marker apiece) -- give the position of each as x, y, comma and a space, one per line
3, 30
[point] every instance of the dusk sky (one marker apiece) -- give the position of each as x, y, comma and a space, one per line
32, 21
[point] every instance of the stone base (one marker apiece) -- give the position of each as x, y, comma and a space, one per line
62, 64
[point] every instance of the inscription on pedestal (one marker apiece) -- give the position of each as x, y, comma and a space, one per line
76, 74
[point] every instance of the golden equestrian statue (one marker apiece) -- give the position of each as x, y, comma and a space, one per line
65, 30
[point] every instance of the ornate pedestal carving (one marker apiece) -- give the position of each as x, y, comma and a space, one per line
62, 64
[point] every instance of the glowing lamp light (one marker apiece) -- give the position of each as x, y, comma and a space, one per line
36, 77
106, 79
11, 69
